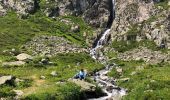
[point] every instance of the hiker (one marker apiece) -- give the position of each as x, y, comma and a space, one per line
81, 75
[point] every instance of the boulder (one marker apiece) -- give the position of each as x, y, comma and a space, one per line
4, 79
18, 92
12, 64
42, 77
119, 70
23, 56
85, 86
45, 61
53, 73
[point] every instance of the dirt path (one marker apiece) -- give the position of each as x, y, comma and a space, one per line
35, 86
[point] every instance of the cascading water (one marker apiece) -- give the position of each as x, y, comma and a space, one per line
99, 45
102, 41
106, 83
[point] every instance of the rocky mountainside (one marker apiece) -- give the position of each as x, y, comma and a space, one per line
142, 19
94, 12
44, 43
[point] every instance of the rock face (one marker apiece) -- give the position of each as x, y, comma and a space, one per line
95, 12
21, 6
134, 21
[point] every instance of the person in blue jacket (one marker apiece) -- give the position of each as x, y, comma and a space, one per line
81, 75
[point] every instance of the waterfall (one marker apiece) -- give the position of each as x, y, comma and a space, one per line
106, 83
103, 39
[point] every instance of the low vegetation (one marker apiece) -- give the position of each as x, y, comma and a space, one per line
146, 82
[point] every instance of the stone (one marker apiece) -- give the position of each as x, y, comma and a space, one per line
103, 77
119, 70
75, 29
53, 73
13, 64
123, 79
18, 92
84, 85
45, 61
42, 77
23, 56
2, 11
17, 80
133, 73
4, 79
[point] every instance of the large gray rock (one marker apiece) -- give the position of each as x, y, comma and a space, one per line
12, 64
4, 79
85, 86
23, 56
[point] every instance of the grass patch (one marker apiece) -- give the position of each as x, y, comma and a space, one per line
148, 82
123, 46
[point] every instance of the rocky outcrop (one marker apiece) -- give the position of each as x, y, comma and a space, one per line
6, 79
94, 12
85, 86
51, 45
149, 56
141, 19
20, 6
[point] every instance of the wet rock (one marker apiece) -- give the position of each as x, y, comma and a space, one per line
13, 64
23, 56
103, 77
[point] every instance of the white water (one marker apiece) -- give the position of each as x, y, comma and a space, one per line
105, 82
99, 45
102, 79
